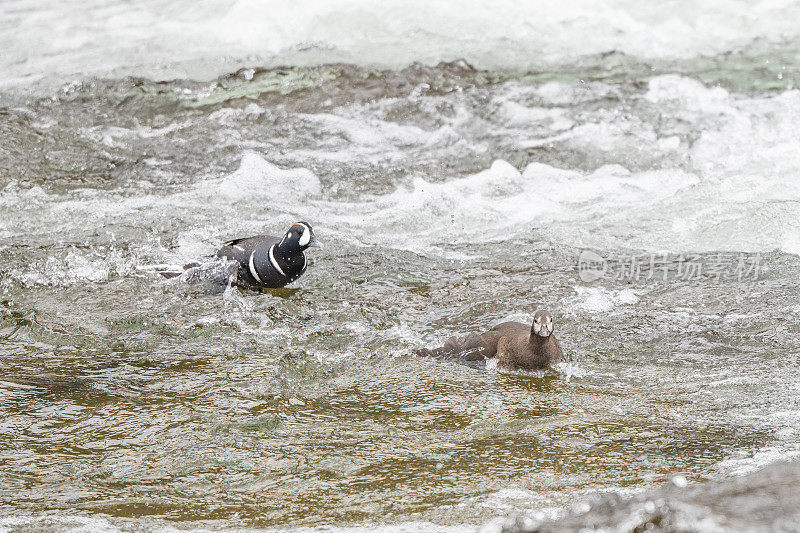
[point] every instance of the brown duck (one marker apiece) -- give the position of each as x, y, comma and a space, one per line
514, 344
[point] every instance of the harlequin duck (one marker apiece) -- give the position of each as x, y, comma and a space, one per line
269, 262
514, 344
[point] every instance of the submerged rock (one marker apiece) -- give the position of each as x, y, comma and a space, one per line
767, 500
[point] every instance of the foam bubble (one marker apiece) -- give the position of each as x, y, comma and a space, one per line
75, 267
258, 178
599, 300
688, 94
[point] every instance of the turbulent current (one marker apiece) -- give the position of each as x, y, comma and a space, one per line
638, 174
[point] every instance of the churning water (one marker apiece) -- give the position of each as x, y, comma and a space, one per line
634, 169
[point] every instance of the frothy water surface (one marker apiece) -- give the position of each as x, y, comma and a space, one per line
448, 199
189, 39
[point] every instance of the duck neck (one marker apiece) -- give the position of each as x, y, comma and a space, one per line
544, 351
537, 342
287, 253
290, 259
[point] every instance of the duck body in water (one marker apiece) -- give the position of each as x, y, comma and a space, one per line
258, 262
267, 262
515, 345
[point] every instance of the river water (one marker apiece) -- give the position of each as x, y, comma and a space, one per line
633, 169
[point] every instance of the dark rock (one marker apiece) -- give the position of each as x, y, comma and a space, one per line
767, 500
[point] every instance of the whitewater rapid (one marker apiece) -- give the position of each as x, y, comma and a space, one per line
203, 40
728, 185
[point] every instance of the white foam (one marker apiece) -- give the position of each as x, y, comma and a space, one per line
402, 527
74, 524
688, 94
82, 524
186, 39
600, 300
518, 115
257, 178
734, 189
75, 267
502, 202
372, 132
441, 213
